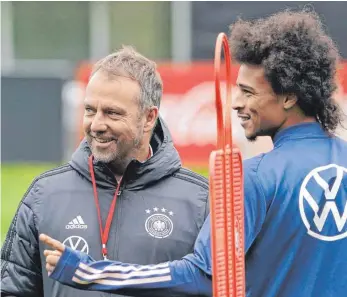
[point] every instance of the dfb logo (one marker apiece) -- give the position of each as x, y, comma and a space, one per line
323, 202
159, 224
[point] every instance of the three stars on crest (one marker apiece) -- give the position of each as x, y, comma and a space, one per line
163, 210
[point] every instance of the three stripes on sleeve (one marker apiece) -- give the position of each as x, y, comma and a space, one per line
182, 277
119, 275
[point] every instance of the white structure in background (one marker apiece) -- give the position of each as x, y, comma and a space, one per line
72, 100
181, 31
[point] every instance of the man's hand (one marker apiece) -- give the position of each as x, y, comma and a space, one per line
52, 257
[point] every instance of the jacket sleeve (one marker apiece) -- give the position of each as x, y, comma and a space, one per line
189, 276
207, 209
255, 202
21, 274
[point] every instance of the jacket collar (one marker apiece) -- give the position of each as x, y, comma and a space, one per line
299, 131
164, 162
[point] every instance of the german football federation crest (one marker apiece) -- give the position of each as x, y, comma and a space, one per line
159, 223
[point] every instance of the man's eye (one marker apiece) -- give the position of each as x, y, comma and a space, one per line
248, 93
88, 110
113, 113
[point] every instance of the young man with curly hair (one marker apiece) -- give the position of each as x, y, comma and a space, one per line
295, 195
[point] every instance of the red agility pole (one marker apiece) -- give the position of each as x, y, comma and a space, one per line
226, 193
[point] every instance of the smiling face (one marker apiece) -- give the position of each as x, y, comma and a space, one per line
113, 124
261, 111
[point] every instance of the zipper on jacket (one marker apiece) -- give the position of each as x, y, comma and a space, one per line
117, 220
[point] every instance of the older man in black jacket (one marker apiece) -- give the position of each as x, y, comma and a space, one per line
124, 190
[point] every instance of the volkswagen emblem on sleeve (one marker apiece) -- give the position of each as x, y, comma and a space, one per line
77, 243
159, 223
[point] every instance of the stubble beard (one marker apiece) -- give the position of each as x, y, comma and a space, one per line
117, 160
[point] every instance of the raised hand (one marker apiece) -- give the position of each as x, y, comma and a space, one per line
52, 257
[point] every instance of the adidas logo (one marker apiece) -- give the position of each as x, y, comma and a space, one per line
76, 223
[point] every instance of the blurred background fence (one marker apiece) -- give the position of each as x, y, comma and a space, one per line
47, 49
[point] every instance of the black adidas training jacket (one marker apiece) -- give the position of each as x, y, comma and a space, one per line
158, 215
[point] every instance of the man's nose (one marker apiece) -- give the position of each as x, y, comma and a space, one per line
98, 123
238, 101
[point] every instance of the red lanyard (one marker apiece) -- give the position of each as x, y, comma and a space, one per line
103, 233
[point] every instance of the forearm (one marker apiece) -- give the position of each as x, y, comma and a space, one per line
177, 277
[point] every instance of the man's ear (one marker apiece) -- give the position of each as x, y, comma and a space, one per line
151, 118
289, 101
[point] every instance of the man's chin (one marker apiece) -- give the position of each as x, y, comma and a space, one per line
103, 155
251, 137
103, 158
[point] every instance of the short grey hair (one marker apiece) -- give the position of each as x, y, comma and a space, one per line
127, 62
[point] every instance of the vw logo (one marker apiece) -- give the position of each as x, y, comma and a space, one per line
323, 203
77, 243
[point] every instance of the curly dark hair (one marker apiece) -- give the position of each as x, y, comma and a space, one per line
298, 58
